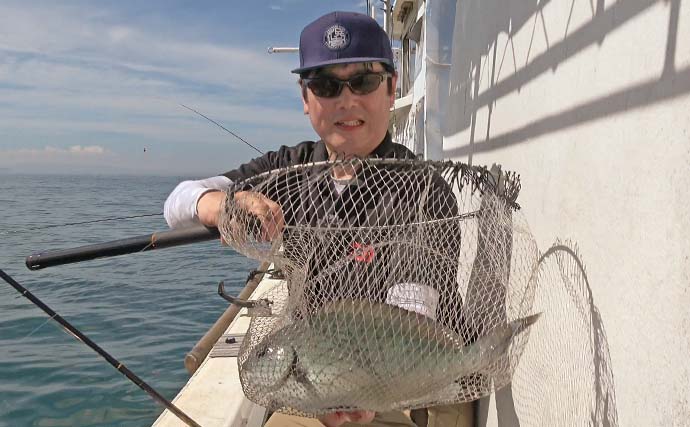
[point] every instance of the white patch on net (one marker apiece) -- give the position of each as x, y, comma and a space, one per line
414, 297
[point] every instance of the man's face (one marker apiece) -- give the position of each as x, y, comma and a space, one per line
350, 124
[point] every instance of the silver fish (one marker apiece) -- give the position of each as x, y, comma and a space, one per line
356, 354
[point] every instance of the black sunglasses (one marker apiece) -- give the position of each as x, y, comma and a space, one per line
330, 87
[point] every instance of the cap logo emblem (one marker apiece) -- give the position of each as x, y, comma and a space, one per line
336, 37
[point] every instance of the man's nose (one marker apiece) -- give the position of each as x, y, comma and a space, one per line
347, 97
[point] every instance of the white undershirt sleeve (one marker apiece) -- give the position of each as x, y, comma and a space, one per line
180, 207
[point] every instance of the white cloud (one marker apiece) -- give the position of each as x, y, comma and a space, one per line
50, 158
49, 152
145, 116
89, 149
276, 7
78, 42
118, 34
86, 56
67, 76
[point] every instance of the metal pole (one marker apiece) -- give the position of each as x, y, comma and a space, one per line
387, 17
282, 49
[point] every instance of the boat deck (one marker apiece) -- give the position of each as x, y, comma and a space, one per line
213, 396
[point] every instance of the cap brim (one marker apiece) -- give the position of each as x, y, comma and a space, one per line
341, 61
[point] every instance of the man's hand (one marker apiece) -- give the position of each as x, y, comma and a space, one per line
264, 209
338, 418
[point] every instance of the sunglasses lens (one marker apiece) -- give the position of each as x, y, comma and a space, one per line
365, 83
325, 87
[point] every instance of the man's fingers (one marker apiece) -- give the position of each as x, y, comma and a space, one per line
268, 213
362, 416
273, 221
338, 418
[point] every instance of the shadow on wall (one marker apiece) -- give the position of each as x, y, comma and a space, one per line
477, 26
564, 377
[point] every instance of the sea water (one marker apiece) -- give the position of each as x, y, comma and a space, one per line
146, 309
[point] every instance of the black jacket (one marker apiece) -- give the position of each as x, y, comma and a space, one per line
351, 261
307, 152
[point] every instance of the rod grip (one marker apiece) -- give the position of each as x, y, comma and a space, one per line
148, 242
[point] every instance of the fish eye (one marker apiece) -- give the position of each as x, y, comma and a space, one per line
268, 367
269, 351
262, 351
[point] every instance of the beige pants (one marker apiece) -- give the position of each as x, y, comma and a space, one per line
460, 415
439, 416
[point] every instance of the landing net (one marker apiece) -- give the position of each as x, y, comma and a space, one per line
407, 283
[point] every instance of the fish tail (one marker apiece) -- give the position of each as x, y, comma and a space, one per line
508, 333
519, 325
493, 346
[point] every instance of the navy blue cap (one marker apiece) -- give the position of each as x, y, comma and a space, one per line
341, 38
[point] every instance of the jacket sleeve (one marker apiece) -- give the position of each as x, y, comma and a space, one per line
285, 156
180, 208
256, 166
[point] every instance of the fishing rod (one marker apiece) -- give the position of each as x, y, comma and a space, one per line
222, 127
147, 242
119, 366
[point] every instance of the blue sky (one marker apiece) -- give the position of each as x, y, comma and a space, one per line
86, 86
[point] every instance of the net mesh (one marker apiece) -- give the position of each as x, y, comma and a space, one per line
408, 283
568, 357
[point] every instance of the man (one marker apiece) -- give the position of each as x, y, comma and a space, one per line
347, 81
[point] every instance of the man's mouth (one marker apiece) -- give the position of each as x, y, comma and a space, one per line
349, 124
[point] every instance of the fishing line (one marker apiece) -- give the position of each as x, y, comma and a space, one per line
119, 366
45, 322
43, 227
223, 127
